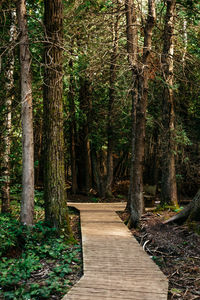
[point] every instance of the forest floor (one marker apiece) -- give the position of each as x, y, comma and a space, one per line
175, 249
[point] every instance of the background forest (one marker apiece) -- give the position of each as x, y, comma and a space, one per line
97, 95
115, 90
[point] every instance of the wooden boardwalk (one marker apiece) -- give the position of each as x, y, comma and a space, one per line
114, 264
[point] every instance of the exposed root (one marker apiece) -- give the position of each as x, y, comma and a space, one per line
190, 213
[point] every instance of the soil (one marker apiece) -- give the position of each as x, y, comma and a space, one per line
175, 249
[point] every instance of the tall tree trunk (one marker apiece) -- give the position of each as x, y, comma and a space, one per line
38, 152
132, 49
56, 212
27, 203
169, 189
137, 201
5, 208
113, 66
72, 130
83, 147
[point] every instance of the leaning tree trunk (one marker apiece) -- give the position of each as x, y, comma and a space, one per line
5, 206
132, 49
27, 203
56, 212
137, 201
190, 213
168, 189
113, 69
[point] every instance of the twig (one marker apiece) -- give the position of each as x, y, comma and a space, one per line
185, 292
145, 244
176, 272
143, 238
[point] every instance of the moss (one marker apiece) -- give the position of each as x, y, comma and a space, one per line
168, 207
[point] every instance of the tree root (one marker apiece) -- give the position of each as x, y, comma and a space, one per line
190, 213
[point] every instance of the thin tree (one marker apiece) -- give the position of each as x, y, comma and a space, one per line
132, 49
168, 189
137, 198
9, 74
111, 102
27, 203
56, 212
72, 129
84, 175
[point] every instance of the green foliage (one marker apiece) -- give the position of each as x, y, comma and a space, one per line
120, 196
181, 137
8, 235
168, 207
158, 260
94, 199
13, 271
39, 198
191, 9
24, 252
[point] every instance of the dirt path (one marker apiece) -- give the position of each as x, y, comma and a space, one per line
115, 266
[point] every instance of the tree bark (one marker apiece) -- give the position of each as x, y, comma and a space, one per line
98, 177
83, 146
56, 212
137, 201
168, 189
113, 69
27, 203
5, 208
190, 213
132, 49
72, 130
185, 40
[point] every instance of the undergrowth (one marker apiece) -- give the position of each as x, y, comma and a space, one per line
36, 263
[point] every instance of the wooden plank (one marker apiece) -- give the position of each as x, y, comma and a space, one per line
95, 293
115, 265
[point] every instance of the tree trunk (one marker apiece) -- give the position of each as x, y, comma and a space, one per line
114, 54
137, 200
190, 213
132, 49
98, 177
83, 146
168, 189
27, 203
72, 130
56, 212
185, 40
5, 208
38, 152
133, 133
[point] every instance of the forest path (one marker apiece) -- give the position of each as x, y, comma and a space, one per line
114, 264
